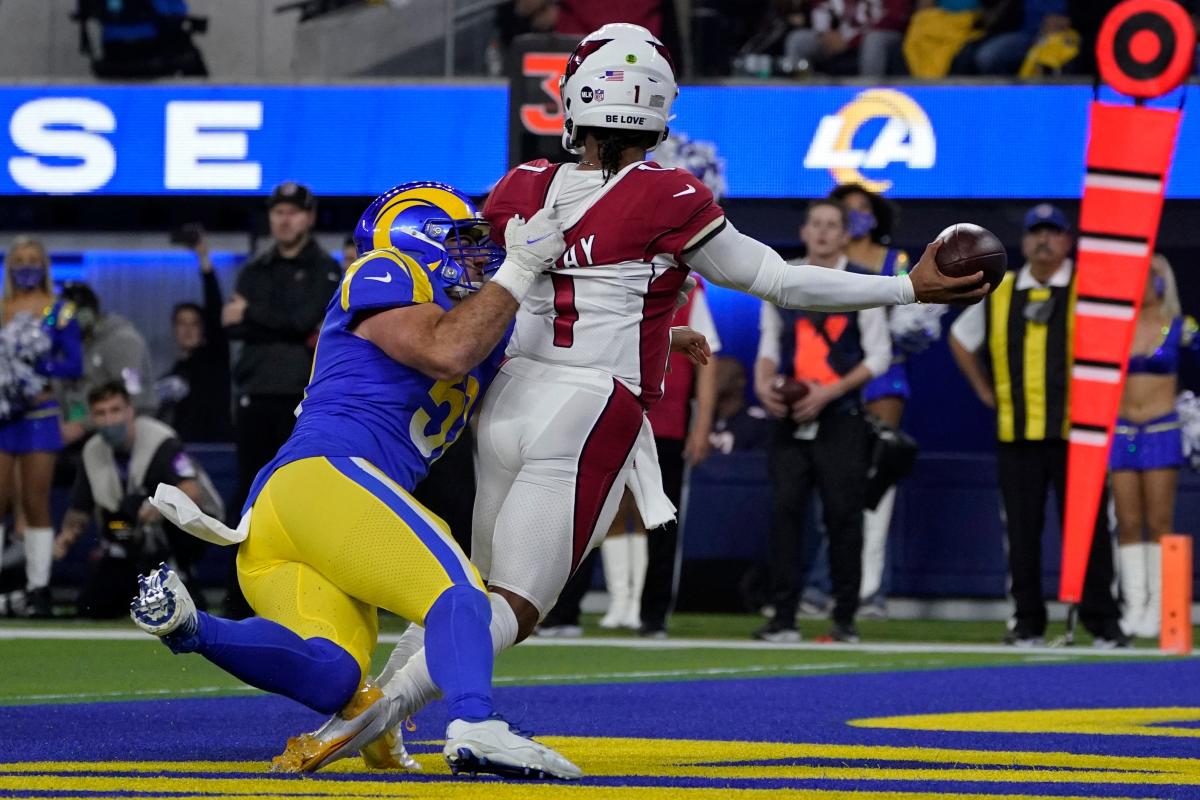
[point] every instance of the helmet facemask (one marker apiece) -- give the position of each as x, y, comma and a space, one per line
469, 254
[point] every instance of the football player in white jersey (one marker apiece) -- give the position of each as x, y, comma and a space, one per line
558, 430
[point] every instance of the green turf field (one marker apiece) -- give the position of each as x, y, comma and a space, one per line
38, 670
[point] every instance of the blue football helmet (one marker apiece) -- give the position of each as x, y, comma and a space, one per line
436, 224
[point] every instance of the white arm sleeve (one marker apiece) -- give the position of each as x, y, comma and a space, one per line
737, 261
968, 329
770, 328
876, 341
700, 320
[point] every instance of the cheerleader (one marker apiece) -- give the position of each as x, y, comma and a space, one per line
39, 340
1147, 447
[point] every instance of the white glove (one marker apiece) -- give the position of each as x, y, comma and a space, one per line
531, 248
685, 291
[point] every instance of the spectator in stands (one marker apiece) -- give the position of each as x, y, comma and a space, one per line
850, 37
577, 18
737, 426
1147, 447
1010, 28
581, 17
1029, 347
41, 341
821, 440
275, 312
195, 393
142, 38
871, 220
122, 464
113, 350
349, 253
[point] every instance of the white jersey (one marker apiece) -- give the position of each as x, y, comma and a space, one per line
608, 303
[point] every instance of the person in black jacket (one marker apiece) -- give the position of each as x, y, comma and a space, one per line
276, 312
195, 392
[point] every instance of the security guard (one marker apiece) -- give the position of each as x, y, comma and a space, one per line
276, 312
1024, 332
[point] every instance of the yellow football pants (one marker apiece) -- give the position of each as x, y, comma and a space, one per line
333, 539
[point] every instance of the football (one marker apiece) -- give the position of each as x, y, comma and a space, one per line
967, 249
793, 391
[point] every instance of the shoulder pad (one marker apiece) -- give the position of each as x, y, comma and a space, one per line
385, 277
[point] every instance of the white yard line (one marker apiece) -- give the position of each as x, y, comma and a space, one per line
30, 698
594, 676
633, 643
674, 673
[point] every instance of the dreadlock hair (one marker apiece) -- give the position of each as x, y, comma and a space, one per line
613, 142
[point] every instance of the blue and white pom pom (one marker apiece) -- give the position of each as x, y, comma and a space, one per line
1187, 405
916, 326
697, 157
23, 342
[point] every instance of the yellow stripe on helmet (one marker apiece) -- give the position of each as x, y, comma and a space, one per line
447, 202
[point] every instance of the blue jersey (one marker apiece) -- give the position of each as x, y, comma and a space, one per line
360, 402
65, 359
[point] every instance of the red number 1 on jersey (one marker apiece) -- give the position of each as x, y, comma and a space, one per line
565, 313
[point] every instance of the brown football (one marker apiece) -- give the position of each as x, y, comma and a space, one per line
967, 249
793, 391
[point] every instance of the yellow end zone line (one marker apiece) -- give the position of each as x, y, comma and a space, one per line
634, 643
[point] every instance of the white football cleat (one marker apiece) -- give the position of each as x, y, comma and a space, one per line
492, 746
164, 608
359, 724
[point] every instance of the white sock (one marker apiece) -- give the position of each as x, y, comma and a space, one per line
876, 523
1132, 559
614, 555
1152, 619
39, 555
638, 559
411, 687
504, 624
411, 641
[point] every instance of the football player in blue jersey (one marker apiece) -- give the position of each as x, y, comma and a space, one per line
332, 530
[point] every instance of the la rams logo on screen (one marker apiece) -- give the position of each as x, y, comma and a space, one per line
876, 129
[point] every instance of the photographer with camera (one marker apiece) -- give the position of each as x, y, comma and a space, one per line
113, 350
822, 440
195, 392
123, 462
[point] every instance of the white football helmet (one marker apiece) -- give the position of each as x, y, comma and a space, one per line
620, 76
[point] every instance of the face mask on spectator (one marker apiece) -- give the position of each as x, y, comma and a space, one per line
860, 223
27, 278
114, 434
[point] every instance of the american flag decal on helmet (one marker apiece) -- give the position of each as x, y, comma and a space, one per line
614, 74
